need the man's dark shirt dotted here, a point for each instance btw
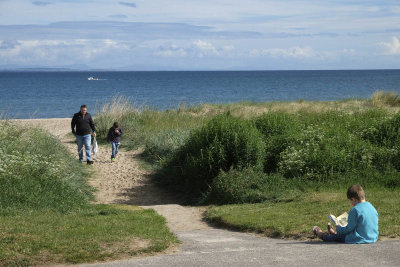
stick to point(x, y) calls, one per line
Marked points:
point(83, 124)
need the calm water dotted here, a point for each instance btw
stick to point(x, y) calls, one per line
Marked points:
point(60, 94)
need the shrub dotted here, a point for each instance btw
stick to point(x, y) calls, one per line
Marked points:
point(222, 144)
point(276, 128)
point(328, 143)
point(384, 133)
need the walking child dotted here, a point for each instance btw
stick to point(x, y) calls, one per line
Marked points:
point(362, 226)
point(114, 137)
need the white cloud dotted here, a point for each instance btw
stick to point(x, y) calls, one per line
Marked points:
point(198, 48)
point(348, 51)
point(293, 52)
point(204, 48)
point(170, 51)
point(300, 53)
point(57, 51)
point(392, 48)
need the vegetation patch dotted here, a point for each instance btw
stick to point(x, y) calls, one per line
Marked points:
point(295, 215)
point(294, 150)
point(45, 214)
point(277, 154)
point(97, 233)
point(222, 144)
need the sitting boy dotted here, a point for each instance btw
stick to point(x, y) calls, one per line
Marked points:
point(362, 224)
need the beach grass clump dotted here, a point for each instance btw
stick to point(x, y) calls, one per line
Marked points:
point(223, 144)
point(36, 172)
point(384, 98)
point(118, 109)
point(158, 147)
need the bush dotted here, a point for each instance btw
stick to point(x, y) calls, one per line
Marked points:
point(384, 133)
point(222, 144)
point(36, 172)
point(276, 128)
point(245, 186)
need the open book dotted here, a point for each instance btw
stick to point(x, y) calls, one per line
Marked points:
point(341, 220)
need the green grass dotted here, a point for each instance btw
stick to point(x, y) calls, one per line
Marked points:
point(294, 216)
point(310, 147)
point(45, 214)
point(317, 148)
point(37, 172)
point(97, 233)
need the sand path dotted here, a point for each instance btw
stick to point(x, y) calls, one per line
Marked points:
point(124, 181)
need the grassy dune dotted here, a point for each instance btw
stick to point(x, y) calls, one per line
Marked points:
point(45, 214)
point(272, 156)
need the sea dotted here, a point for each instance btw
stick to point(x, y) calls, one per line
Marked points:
point(59, 94)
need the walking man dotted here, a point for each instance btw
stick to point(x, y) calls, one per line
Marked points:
point(84, 125)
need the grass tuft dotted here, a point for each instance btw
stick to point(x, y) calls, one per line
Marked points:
point(382, 98)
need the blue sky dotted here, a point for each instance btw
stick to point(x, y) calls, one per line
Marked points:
point(200, 34)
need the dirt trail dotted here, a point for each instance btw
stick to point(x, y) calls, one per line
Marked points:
point(123, 181)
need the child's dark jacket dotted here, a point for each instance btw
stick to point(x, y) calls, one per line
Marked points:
point(112, 136)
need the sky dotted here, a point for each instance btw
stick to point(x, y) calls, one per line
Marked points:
point(200, 34)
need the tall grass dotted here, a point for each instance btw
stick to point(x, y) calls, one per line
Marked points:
point(224, 143)
point(45, 214)
point(306, 144)
point(315, 148)
point(382, 98)
point(36, 172)
point(160, 133)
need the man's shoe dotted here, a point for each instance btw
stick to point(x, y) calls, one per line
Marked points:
point(112, 159)
point(89, 162)
point(80, 161)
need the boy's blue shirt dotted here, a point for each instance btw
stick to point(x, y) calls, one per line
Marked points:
point(362, 224)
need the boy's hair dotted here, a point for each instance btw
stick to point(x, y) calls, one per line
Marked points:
point(115, 125)
point(83, 106)
point(356, 191)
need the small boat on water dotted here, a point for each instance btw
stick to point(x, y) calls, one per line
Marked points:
point(93, 79)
